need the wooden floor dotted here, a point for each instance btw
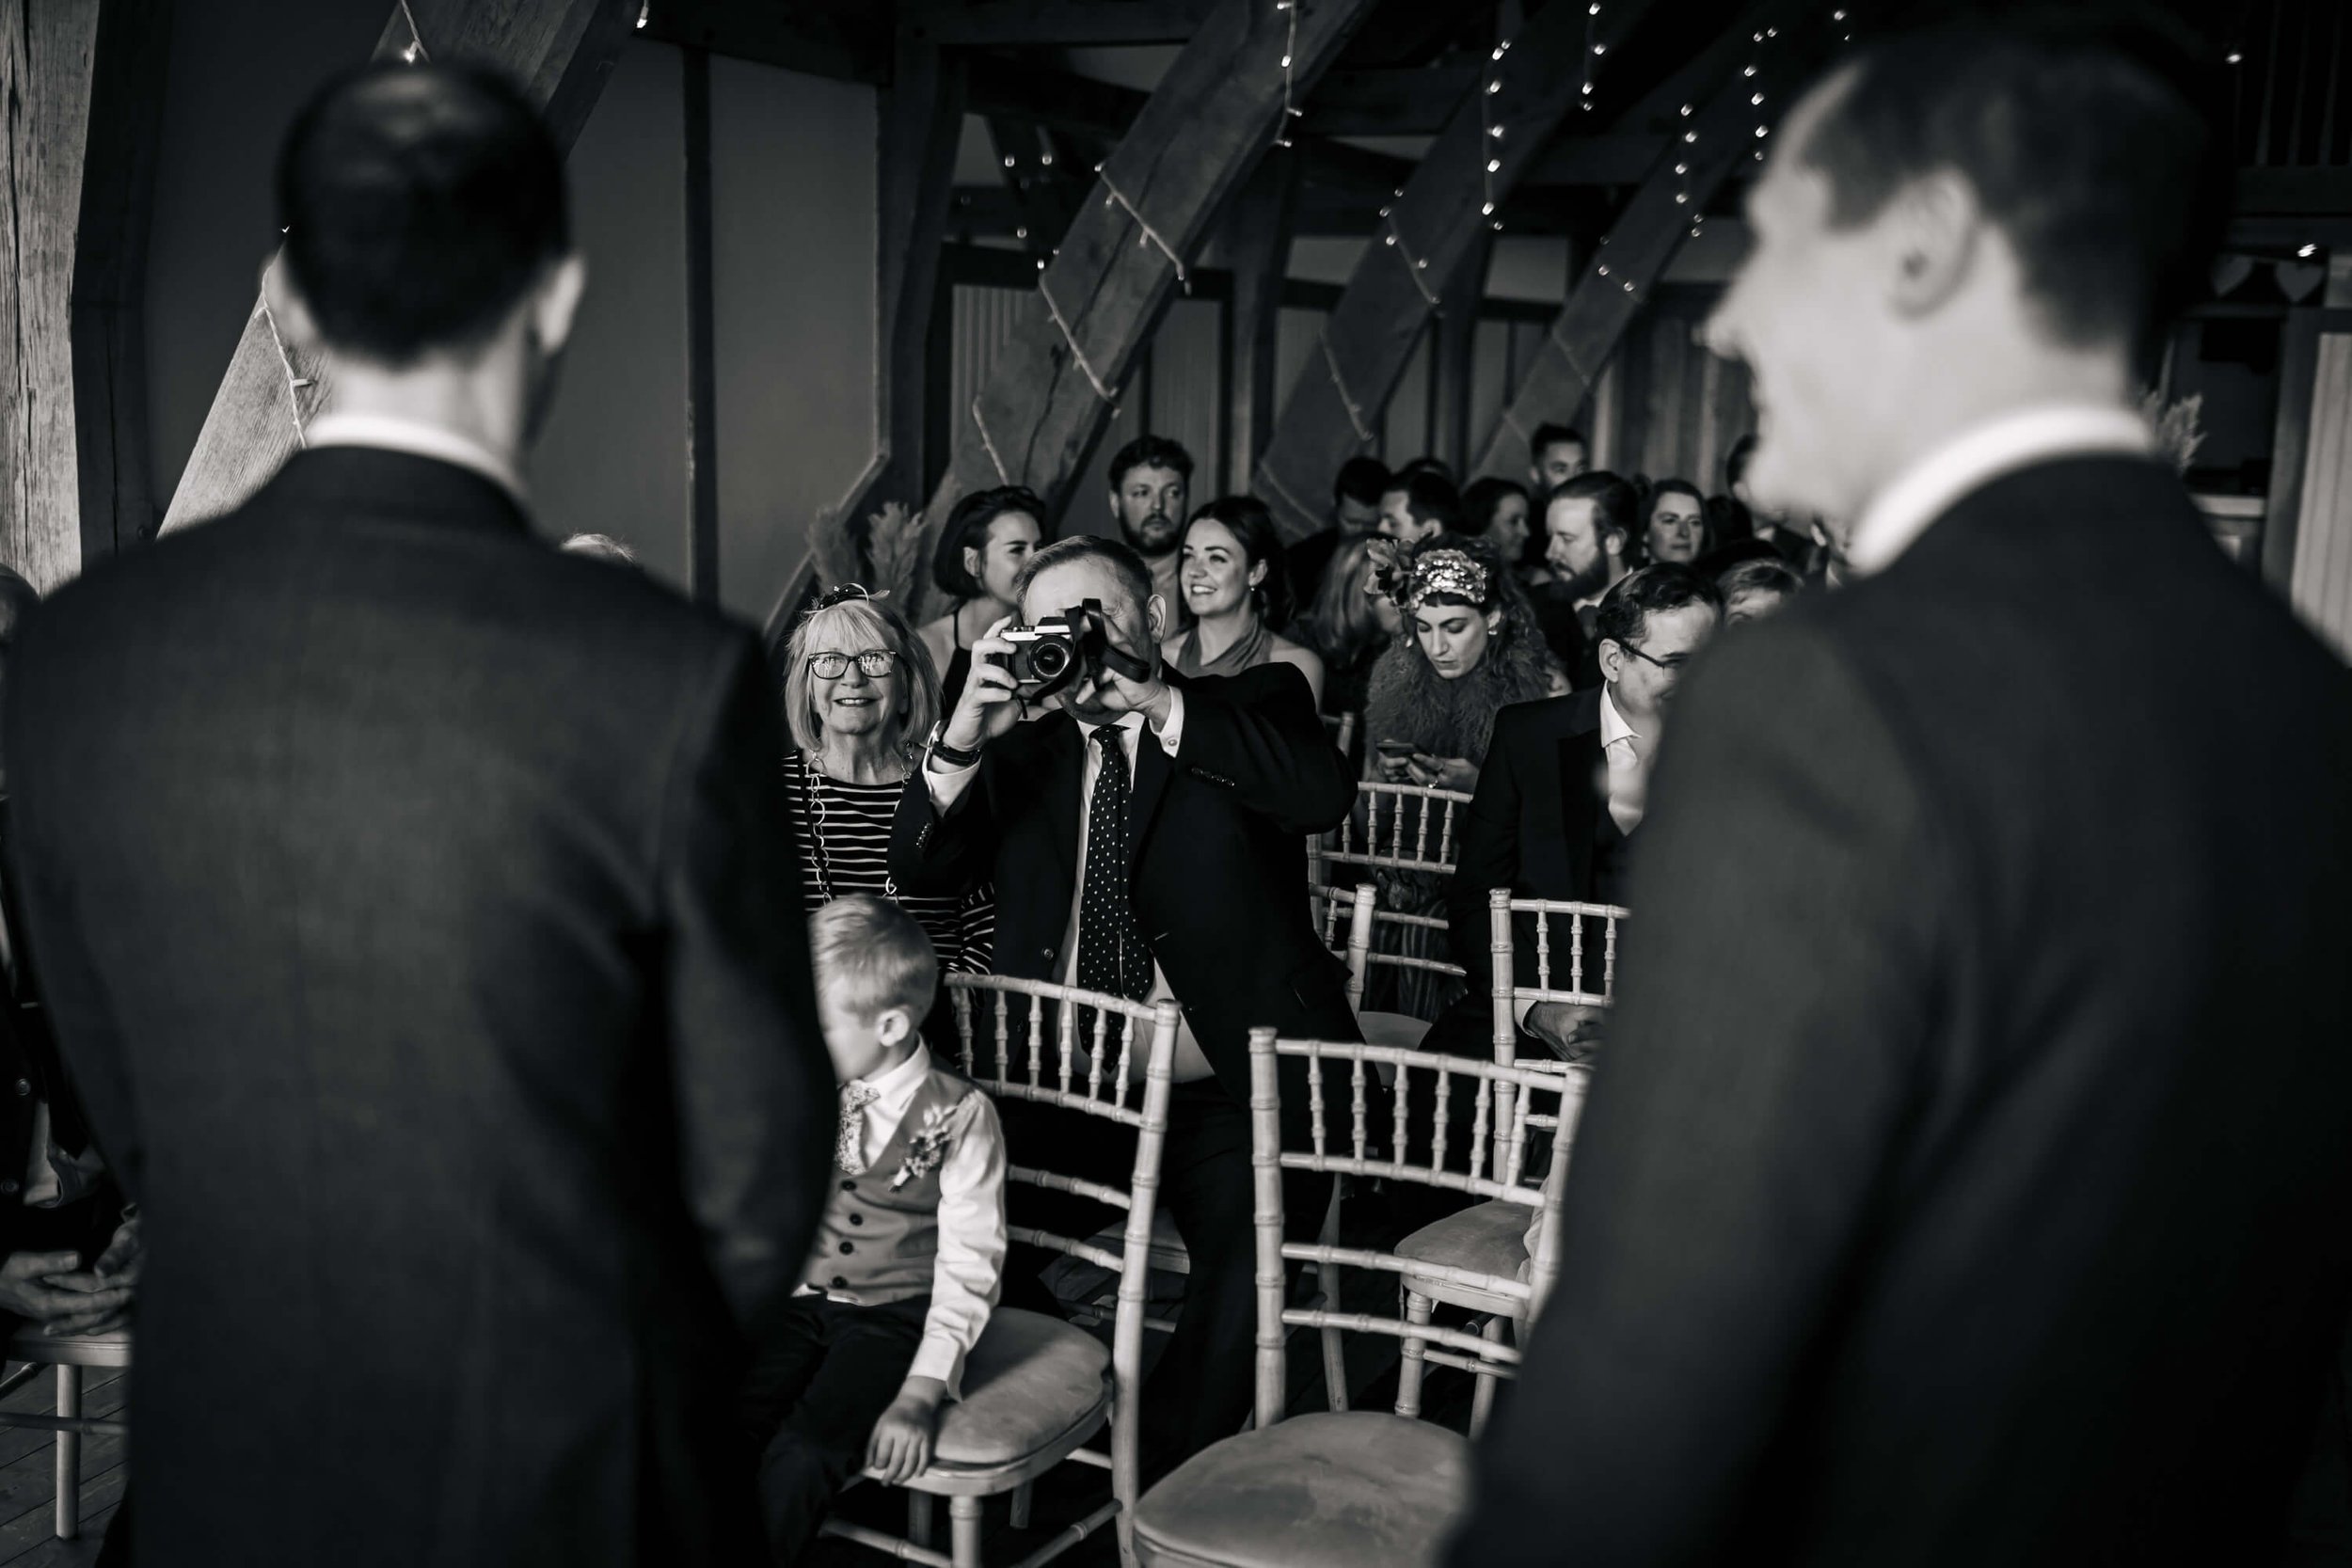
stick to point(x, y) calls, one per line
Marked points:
point(27, 1474)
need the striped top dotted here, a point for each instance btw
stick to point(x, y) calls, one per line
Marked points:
point(845, 848)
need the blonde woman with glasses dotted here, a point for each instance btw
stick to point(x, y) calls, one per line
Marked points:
point(860, 694)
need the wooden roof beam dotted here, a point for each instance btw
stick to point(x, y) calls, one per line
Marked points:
point(561, 51)
point(1436, 225)
point(1048, 23)
point(1610, 291)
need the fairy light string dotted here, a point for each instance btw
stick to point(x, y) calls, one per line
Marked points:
point(1291, 110)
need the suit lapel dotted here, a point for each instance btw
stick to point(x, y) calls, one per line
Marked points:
point(1579, 798)
point(1063, 765)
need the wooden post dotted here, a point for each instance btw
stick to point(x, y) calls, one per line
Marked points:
point(1216, 111)
point(1457, 352)
point(1604, 299)
point(561, 51)
point(1433, 228)
point(82, 81)
point(1259, 242)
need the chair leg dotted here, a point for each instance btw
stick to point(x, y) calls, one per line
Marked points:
point(1328, 1281)
point(963, 1531)
point(1021, 1506)
point(1409, 1372)
point(68, 1455)
point(1482, 1400)
point(919, 1518)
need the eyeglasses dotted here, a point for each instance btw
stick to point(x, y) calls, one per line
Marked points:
point(873, 663)
point(1672, 662)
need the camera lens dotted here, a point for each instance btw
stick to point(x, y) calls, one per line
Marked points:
point(1049, 660)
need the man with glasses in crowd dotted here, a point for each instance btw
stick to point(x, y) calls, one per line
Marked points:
point(1563, 789)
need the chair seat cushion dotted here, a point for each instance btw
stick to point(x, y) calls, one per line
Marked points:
point(1490, 1237)
point(1032, 1385)
point(1400, 1030)
point(1364, 1489)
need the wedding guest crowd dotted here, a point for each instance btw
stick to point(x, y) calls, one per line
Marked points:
point(489, 1020)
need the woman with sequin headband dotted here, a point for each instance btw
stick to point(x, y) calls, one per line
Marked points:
point(859, 693)
point(1472, 647)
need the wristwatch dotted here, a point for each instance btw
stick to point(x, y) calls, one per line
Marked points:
point(949, 754)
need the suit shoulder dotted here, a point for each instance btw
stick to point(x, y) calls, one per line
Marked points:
point(1547, 718)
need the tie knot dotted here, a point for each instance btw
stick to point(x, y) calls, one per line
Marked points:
point(856, 1095)
point(1108, 736)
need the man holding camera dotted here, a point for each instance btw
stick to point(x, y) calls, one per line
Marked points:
point(1147, 839)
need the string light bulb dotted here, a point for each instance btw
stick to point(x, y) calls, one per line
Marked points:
point(645, 13)
point(415, 50)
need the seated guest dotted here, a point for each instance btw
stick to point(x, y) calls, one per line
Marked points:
point(1351, 625)
point(1589, 523)
point(1415, 506)
point(1556, 453)
point(1147, 838)
point(1676, 531)
point(1355, 513)
point(908, 1257)
point(860, 696)
point(1754, 589)
point(1239, 595)
point(1474, 651)
point(1436, 467)
point(1563, 792)
point(1495, 510)
point(987, 537)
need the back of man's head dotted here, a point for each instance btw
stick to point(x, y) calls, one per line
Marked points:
point(2083, 132)
point(420, 203)
point(1360, 480)
point(1431, 499)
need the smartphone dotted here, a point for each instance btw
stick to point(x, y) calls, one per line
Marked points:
point(1396, 751)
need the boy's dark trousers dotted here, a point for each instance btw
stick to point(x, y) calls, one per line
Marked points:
point(811, 1401)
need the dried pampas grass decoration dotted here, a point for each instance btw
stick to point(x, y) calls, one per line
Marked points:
point(2176, 424)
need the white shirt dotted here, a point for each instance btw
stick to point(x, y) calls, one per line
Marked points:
point(1977, 456)
point(947, 785)
point(971, 1262)
point(390, 433)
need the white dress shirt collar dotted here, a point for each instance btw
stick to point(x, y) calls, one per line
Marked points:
point(1983, 452)
point(1612, 725)
point(390, 433)
point(900, 1082)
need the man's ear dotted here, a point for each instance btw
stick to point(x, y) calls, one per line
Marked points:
point(555, 303)
point(1612, 659)
point(893, 1026)
point(1494, 622)
point(1932, 232)
point(1155, 619)
point(288, 309)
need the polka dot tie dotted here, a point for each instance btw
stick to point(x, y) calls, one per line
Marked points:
point(1112, 956)
point(848, 1150)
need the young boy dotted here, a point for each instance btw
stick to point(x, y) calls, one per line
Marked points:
point(906, 1263)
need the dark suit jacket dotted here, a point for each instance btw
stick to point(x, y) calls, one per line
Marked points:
point(417, 911)
point(1218, 870)
point(1965, 1180)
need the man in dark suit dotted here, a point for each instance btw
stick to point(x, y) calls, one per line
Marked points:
point(1354, 514)
point(1965, 1179)
point(1210, 786)
point(418, 912)
point(1560, 797)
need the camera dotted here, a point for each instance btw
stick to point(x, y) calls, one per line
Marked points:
point(1058, 650)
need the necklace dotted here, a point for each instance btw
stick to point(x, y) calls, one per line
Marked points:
point(814, 799)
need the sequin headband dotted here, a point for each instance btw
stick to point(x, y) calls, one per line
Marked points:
point(1453, 572)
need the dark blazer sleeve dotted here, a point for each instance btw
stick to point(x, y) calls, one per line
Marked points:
point(1487, 849)
point(944, 854)
point(78, 1009)
point(749, 1072)
point(1259, 735)
point(1776, 991)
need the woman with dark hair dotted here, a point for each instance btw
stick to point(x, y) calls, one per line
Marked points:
point(1495, 510)
point(1474, 649)
point(1675, 527)
point(1235, 585)
point(1351, 625)
point(989, 534)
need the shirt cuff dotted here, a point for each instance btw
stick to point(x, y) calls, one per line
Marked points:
point(1171, 735)
point(1520, 1007)
point(940, 1356)
point(946, 784)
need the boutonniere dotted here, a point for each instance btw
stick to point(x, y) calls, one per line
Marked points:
point(927, 1149)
